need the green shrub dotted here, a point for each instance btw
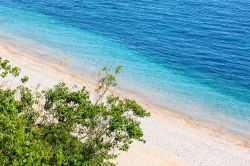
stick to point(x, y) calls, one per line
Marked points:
point(62, 126)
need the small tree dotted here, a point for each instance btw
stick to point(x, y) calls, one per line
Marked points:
point(71, 129)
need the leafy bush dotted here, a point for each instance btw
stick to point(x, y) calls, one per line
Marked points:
point(62, 126)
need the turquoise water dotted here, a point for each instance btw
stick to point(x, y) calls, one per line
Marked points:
point(188, 56)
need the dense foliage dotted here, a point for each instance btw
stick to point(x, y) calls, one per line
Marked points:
point(61, 125)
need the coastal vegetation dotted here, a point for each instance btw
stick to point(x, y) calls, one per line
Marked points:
point(63, 125)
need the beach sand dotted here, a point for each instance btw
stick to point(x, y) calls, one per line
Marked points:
point(172, 139)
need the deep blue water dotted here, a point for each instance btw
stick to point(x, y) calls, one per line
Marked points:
point(185, 55)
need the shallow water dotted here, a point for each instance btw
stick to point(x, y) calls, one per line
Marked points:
point(188, 56)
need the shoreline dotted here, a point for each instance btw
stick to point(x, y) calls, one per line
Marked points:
point(28, 62)
point(61, 65)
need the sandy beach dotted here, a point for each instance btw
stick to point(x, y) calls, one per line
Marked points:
point(172, 139)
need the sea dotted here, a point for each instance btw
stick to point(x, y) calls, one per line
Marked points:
point(188, 56)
